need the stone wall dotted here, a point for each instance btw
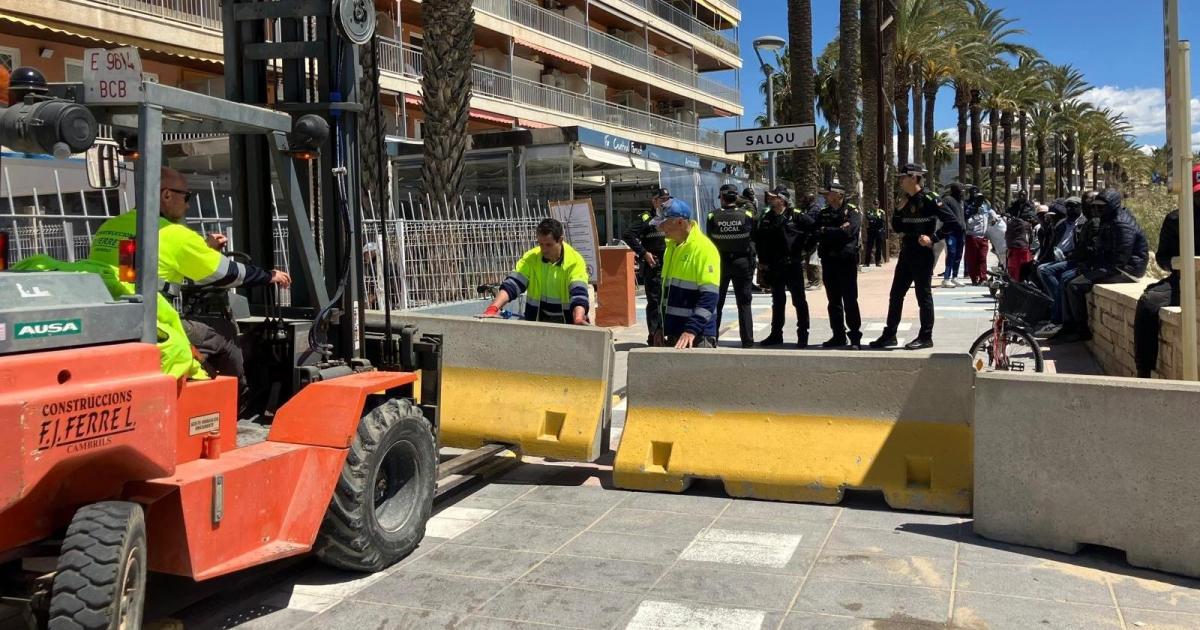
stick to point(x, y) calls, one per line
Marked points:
point(1112, 308)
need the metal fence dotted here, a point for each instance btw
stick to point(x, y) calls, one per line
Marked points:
point(202, 13)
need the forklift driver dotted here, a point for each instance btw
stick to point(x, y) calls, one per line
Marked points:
point(184, 255)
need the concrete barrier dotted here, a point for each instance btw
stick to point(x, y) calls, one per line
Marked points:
point(1066, 460)
point(801, 426)
point(543, 388)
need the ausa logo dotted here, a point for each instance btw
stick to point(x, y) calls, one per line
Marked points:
point(51, 328)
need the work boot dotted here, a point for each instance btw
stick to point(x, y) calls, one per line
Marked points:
point(774, 339)
point(886, 341)
point(747, 344)
point(837, 341)
point(856, 341)
point(919, 344)
point(802, 340)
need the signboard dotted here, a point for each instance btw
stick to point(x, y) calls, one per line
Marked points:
point(112, 76)
point(579, 223)
point(787, 138)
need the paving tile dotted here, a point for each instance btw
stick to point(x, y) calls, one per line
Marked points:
point(497, 490)
point(862, 567)
point(649, 523)
point(447, 528)
point(739, 547)
point(486, 503)
point(779, 511)
point(476, 561)
point(888, 542)
point(1159, 620)
point(997, 612)
point(411, 589)
point(1171, 594)
point(681, 503)
point(892, 519)
point(812, 621)
point(626, 547)
point(873, 601)
point(323, 581)
point(1062, 583)
point(549, 514)
point(812, 532)
point(975, 548)
point(577, 495)
point(559, 606)
point(353, 615)
point(725, 587)
point(516, 537)
point(596, 574)
point(256, 617)
point(664, 615)
point(475, 622)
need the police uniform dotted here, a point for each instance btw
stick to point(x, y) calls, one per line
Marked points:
point(876, 236)
point(730, 227)
point(643, 237)
point(918, 217)
point(780, 240)
point(838, 231)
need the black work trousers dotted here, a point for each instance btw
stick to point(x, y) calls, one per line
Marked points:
point(913, 269)
point(218, 347)
point(875, 244)
point(788, 277)
point(840, 276)
point(652, 280)
point(1146, 323)
point(1076, 291)
point(737, 268)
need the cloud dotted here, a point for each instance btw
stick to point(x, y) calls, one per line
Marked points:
point(1144, 108)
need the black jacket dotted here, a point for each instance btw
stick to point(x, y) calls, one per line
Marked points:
point(643, 237)
point(837, 242)
point(1121, 244)
point(1168, 242)
point(781, 238)
point(731, 228)
point(920, 216)
point(957, 207)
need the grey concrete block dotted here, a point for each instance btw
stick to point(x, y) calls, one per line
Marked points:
point(1066, 460)
point(558, 606)
point(1063, 583)
point(596, 574)
point(723, 587)
point(476, 562)
point(873, 601)
point(411, 589)
point(997, 612)
point(862, 567)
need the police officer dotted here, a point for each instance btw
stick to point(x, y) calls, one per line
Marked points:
point(730, 227)
point(838, 226)
point(916, 223)
point(649, 244)
point(876, 236)
point(779, 237)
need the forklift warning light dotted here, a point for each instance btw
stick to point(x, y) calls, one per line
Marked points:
point(126, 251)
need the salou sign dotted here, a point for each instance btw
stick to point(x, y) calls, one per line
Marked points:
point(787, 138)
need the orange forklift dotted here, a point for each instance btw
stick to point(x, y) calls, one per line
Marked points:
point(117, 469)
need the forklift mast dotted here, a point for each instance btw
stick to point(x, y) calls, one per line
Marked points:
point(318, 44)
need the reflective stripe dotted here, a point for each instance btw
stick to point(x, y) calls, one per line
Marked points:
point(577, 285)
point(727, 237)
point(709, 288)
point(683, 284)
point(680, 312)
point(519, 277)
point(228, 273)
point(703, 312)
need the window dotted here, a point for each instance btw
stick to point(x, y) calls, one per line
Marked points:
point(9, 57)
point(73, 70)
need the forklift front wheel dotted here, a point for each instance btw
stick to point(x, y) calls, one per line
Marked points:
point(101, 578)
point(384, 495)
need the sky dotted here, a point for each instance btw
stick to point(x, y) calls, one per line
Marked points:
point(1116, 44)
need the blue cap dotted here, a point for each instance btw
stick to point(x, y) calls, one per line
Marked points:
point(674, 208)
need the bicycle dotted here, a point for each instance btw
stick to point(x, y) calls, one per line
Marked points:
point(1010, 345)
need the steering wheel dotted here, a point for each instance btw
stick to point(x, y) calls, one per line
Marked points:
point(240, 257)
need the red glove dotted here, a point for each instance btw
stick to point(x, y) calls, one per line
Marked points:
point(492, 311)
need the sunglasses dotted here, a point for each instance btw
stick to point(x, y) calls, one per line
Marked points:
point(187, 194)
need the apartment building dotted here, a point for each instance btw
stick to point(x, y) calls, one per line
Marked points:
point(570, 97)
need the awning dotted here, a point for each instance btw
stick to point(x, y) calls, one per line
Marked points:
point(719, 9)
point(83, 35)
point(642, 164)
point(413, 99)
point(605, 156)
point(553, 53)
point(479, 114)
point(533, 124)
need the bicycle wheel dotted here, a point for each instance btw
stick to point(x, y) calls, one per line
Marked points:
point(1021, 352)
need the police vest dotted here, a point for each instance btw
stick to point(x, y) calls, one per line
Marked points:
point(652, 238)
point(729, 229)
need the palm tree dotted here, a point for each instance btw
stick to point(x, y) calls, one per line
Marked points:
point(782, 78)
point(800, 50)
point(1066, 84)
point(1013, 89)
point(826, 78)
point(940, 151)
point(870, 55)
point(1041, 124)
point(446, 95)
point(848, 34)
point(961, 50)
point(920, 29)
point(826, 154)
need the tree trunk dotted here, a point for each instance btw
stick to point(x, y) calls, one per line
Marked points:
point(1006, 120)
point(976, 139)
point(918, 122)
point(1079, 163)
point(961, 103)
point(931, 90)
point(994, 138)
point(889, 80)
point(1095, 169)
point(1041, 164)
point(1069, 165)
point(446, 95)
point(870, 98)
point(848, 96)
point(901, 105)
point(803, 88)
point(1024, 153)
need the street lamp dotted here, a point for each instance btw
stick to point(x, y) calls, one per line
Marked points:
point(769, 43)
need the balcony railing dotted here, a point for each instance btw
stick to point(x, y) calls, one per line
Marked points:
point(202, 13)
point(406, 60)
point(688, 23)
point(561, 27)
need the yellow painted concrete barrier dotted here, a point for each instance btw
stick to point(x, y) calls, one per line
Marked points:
point(542, 388)
point(801, 426)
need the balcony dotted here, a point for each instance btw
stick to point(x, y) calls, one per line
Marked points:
point(602, 43)
point(689, 23)
point(406, 61)
point(203, 13)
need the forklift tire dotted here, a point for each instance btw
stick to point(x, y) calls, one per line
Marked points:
point(385, 492)
point(101, 578)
